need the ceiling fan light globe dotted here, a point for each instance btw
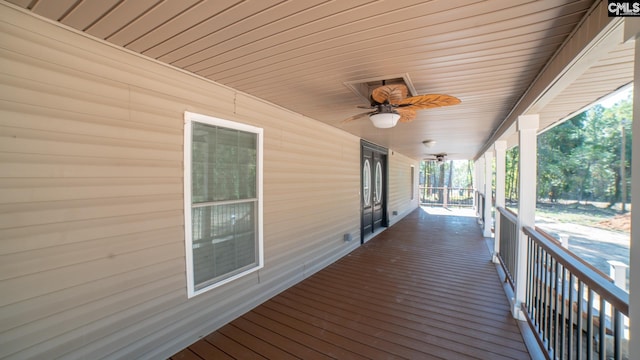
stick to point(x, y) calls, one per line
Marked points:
point(384, 120)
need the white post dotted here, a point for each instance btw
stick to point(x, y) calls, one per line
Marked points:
point(475, 186)
point(631, 32)
point(564, 240)
point(618, 272)
point(445, 197)
point(500, 147)
point(480, 186)
point(527, 134)
point(488, 195)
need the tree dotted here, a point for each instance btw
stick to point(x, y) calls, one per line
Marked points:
point(581, 160)
point(618, 121)
point(511, 174)
point(556, 169)
point(469, 174)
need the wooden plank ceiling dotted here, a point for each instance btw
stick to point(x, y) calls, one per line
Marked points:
point(300, 54)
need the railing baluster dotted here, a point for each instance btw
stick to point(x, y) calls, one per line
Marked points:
point(562, 295)
point(530, 265)
point(540, 294)
point(547, 299)
point(602, 329)
point(554, 304)
point(580, 300)
point(590, 325)
point(543, 295)
point(617, 334)
point(514, 247)
point(544, 311)
point(570, 322)
point(508, 247)
point(536, 293)
point(462, 197)
point(563, 314)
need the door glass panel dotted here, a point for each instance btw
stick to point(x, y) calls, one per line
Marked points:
point(366, 182)
point(378, 183)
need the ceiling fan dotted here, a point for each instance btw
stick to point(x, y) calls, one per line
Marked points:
point(390, 104)
point(436, 157)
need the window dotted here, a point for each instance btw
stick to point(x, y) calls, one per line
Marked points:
point(223, 201)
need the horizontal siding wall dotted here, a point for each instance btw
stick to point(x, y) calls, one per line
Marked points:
point(401, 201)
point(92, 257)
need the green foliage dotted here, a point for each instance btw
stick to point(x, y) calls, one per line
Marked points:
point(511, 175)
point(452, 173)
point(580, 159)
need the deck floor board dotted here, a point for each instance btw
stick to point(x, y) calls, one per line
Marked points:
point(423, 289)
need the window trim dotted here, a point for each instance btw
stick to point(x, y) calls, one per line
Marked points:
point(412, 175)
point(189, 119)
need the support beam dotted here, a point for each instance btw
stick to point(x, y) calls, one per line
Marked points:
point(501, 163)
point(527, 135)
point(488, 193)
point(632, 32)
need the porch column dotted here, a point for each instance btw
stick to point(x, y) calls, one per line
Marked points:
point(527, 135)
point(631, 32)
point(479, 169)
point(500, 147)
point(488, 201)
point(475, 186)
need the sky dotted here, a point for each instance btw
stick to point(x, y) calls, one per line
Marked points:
point(617, 96)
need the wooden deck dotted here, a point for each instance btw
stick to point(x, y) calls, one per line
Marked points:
point(423, 289)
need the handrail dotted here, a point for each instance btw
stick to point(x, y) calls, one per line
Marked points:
point(510, 215)
point(571, 253)
point(571, 306)
point(617, 297)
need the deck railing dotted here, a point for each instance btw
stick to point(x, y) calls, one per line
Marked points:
point(508, 253)
point(446, 196)
point(575, 312)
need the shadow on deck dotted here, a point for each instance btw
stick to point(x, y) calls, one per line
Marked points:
point(423, 289)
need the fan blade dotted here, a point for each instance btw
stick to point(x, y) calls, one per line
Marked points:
point(365, 107)
point(394, 94)
point(421, 102)
point(358, 116)
point(406, 114)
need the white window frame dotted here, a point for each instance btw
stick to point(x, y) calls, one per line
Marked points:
point(189, 119)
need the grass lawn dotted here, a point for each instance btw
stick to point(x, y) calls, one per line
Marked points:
point(591, 214)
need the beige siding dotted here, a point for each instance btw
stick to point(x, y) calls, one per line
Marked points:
point(400, 201)
point(92, 258)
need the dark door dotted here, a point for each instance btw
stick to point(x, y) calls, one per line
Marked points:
point(378, 191)
point(373, 189)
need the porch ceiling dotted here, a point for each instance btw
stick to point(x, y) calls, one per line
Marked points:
point(299, 55)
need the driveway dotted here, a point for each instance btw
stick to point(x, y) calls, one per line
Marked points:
point(595, 245)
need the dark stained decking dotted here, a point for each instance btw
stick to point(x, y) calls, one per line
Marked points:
point(423, 289)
